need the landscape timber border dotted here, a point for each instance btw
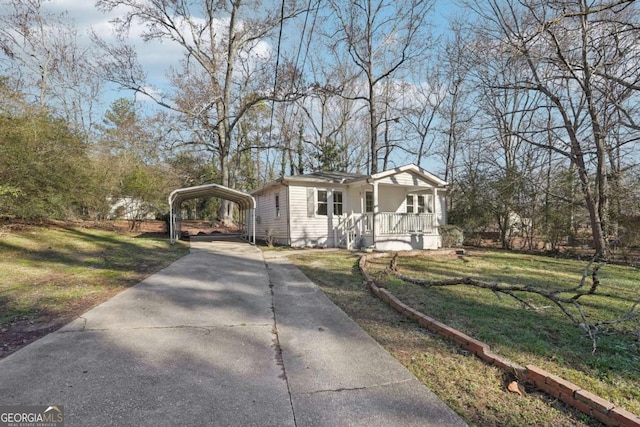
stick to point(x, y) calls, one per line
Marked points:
point(571, 394)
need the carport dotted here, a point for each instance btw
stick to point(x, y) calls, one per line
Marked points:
point(245, 202)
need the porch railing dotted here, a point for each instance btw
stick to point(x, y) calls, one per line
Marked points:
point(351, 228)
point(403, 223)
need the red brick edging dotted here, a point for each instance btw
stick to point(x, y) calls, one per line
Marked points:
point(592, 405)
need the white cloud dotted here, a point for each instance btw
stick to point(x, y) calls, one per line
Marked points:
point(156, 57)
point(152, 91)
point(83, 13)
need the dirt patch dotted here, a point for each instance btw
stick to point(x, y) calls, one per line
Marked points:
point(55, 272)
point(24, 331)
point(189, 227)
point(195, 228)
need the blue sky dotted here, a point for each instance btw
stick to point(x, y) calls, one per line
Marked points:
point(156, 57)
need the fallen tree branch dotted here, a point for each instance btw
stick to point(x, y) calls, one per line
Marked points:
point(497, 288)
point(569, 305)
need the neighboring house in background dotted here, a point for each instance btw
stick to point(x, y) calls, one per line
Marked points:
point(397, 209)
point(130, 209)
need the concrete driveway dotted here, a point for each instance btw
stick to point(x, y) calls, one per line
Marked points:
point(219, 338)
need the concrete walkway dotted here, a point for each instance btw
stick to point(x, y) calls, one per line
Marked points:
point(219, 339)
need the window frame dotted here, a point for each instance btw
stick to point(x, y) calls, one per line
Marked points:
point(324, 203)
point(336, 204)
point(410, 207)
point(422, 200)
point(277, 205)
point(368, 194)
point(430, 203)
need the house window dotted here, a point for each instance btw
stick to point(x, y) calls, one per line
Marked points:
point(337, 203)
point(368, 202)
point(277, 205)
point(322, 202)
point(410, 203)
point(420, 204)
point(429, 202)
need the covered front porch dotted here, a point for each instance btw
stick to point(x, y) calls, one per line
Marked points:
point(394, 231)
point(394, 210)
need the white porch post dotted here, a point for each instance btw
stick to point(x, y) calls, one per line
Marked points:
point(376, 209)
point(435, 204)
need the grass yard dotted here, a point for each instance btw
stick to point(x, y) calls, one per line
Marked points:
point(51, 275)
point(545, 337)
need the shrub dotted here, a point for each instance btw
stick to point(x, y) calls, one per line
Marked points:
point(452, 235)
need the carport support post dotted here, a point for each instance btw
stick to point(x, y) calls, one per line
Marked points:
point(171, 219)
point(243, 200)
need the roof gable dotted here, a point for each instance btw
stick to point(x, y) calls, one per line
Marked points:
point(413, 170)
point(244, 200)
point(326, 177)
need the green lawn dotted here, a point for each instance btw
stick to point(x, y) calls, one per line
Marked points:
point(545, 337)
point(49, 275)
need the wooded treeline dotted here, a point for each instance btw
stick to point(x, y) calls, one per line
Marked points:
point(528, 108)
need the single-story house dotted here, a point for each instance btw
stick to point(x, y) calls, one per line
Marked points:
point(129, 208)
point(397, 209)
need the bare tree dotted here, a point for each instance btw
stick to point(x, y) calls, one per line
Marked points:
point(456, 111)
point(505, 114)
point(225, 69)
point(578, 58)
point(421, 108)
point(332, 131)
point(46, 59)
point(381, 37)
point(443, 120)
point(328, 116)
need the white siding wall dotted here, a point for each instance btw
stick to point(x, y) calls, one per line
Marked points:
point(441, 212)
point(315, 230)
point(405, 178)
point(408, 242)
point(353, 199)
point(267, 222)
point(391, 199)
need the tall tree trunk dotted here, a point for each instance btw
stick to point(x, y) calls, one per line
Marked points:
point(593, 207)
point(225, 212)
point(373, 126)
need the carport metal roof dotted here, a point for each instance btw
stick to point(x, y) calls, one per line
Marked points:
point(245, 202)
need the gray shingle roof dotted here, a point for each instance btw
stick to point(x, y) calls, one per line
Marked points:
point(337, 177)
